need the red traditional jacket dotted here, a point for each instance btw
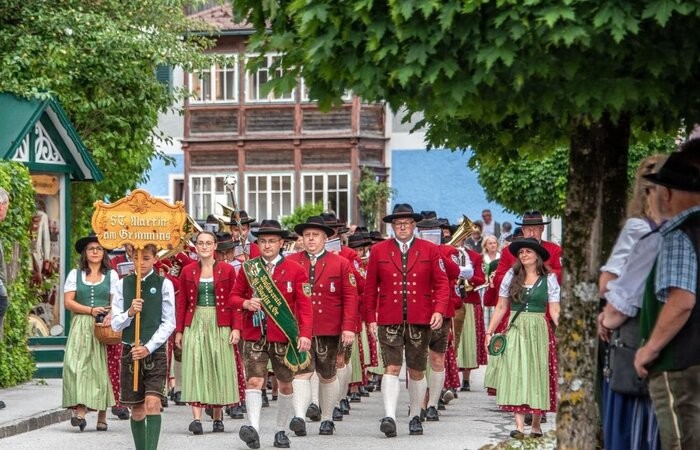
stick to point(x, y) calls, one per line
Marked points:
point(422, 279)
point(449, 256)
point(290, 278)
point(477, 279)
point(186, 300)
point(333, 293)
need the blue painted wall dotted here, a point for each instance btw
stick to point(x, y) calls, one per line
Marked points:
point(439, 180)
point(157, 184)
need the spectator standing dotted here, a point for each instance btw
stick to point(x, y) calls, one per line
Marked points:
point(4, 298)
point(670, 317)
point(490, 226)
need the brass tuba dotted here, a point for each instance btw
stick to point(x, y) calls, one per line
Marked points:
point(190, 229)
point(465, 229)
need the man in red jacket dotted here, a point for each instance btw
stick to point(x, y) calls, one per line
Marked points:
point(265, 333)
point(335, 309)
point(406, 297)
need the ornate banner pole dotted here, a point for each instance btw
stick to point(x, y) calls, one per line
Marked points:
point(139, 219)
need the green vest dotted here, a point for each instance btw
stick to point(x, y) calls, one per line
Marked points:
point(152, 295)
point(537, 298)
point(92, 295)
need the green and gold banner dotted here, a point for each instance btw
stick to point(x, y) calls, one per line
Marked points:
point(277, 308)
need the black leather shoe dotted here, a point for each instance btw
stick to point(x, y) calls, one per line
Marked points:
point(122, 412)
point(337, 415)
point(218, 426)
point(79, 422)
point(236, 412)
point(209, 412)
point(441, 405)
point(465, 386)
point(196, 428)
point(313, 412)
point(431, 414)
point(344, 406)
point(2, 404)
point(528, 419)
point(388, 427)
point(414, 426)
point(517, 434)
point(327, 428)
point(422, 414)
point(363, 392)
point(249, 435)
point(355, 397)
point(265, 400)
point(244, 409)
point(371, 386)
point(177, 400)
point(298, 426)
point(281, 440)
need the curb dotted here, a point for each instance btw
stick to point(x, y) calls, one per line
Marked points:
point(40, 420)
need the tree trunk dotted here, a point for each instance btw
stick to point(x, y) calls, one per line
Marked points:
point(594, 210)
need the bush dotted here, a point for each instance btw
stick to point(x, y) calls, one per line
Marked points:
point(300, 214)
point(17, 362)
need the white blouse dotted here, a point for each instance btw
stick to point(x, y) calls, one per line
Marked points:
point(553, 291)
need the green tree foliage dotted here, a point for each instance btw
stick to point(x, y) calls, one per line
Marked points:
point(511, 79)
point(99, 58)
point(373, 195)
point(541, 182)
point(300, 214)
point(17, 363)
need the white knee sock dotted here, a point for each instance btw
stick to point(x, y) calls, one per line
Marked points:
point(329, 398)
point(437, 381)
point(253, 402)
point(314, 388)
point(416, 394)
point(390, 394)
point(284, 410)
point(340, 375)
point(345, 382)
point(301, 396)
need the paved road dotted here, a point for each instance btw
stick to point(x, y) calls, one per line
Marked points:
point(470, 421)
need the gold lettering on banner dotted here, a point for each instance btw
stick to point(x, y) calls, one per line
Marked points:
point(139, 219)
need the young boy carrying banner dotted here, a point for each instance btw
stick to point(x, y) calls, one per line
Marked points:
point(156, 303)
point(274, 295)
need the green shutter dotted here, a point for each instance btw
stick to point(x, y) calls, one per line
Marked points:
point(164, 75)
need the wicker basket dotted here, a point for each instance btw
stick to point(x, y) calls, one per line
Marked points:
point(106, 335)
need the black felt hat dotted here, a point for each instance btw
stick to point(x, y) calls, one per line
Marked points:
point(532, 218)
point(244, 218)
point(224, 241)
point(81, 243)
point(402, 211)
point(530, 243)
point(429, 220)
point(359, 240)
point(271, 227)
point(314, 222)
point(680, 171)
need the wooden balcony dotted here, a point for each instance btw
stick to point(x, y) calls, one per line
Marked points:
point(282, 121)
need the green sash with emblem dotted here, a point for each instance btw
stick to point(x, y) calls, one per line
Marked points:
point(277, 309)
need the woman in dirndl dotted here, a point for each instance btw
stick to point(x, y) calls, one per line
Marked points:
point(524, 383)
point(206, 333)
point(87, 294)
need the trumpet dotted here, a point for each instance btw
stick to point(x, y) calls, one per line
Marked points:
point(466, 228)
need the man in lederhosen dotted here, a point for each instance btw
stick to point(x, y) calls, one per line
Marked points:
point(335, 309)
point(406, 296)
point(273, 293)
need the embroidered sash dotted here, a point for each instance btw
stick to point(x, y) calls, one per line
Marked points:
point(277, 309)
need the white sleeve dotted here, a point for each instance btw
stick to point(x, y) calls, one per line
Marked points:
point(71, 283)
point(553, 290)
point(114, 280)
point(505, 284)
point(467, 270)
point(632, 232)
point(626, 292)
point(167, 318)
point(120, 318)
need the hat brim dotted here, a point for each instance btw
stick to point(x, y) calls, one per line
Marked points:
point(404, 215)
point(81, 243)
point(225, 245)
point(299, 229)
point(428, 223)
point(533, 222)
point(273, 231)
point(517, 245)
point(671, 184)
point(243, 221)
point(358, 244)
